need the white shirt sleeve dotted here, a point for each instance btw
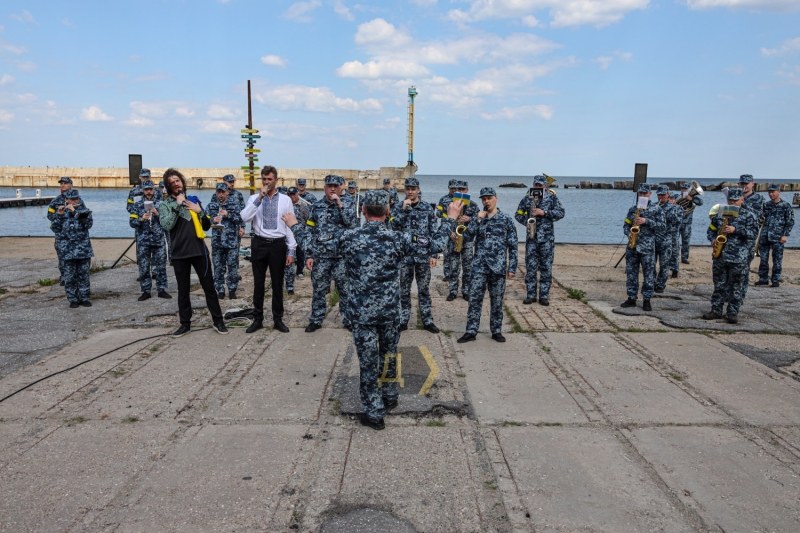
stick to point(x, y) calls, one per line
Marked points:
point(286, 207)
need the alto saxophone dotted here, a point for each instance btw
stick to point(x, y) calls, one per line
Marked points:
point(720, 240)
point(634, 231)
point(460, 229)
point(531, 223)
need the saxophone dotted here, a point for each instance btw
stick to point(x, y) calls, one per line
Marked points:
point(720, 241)
point(531, 223)
point(634, 230)
point(460, 229)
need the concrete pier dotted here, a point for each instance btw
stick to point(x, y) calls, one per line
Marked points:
point(590, 417)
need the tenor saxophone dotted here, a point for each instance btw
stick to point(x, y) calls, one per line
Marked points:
point(634, 231)
point(531, 223)
point(460, 229)
point(720, 240)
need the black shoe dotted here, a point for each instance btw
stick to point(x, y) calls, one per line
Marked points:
point(74, 305)
point(451, 297)
point(544, 301)
point(221, 295)
point(255, 326)
point(143, 297)
point(498, 337)
point(731, 319)
point(231, 295)
point(290, 293)
point(528, 301)
point(674, 274)
point(365, 421)
point(311, 328)
point(280, 326)
point(776, 284)
point(431, 327)
point(349, 327)
point(760, 283)
point(165, 295)
point(86, 303)
point(685, 261)
point(711, 316)
point(465, 297)
point(390, 405)
point(659, 291)
point(646, 306)
point(628, 303)
point(153, 276)
point(403, 327)
point(220, 328)
point(181, 331)
point(238, 278)
point(466, 337)
point(62, 283)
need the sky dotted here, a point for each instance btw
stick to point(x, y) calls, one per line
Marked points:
point(694, 88)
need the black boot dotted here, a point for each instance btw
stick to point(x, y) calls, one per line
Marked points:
point(646, 305)
point(628, 303)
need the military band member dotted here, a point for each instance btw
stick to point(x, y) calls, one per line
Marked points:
point(778, 224)
point(441, 212)
point(234, 195)
point(307, 196)
point(135, 194)
point(150, 249)
point(418, 219)
point(675, 256)
point(495, 260)
point(356, 198)
point(459, 264)
point(301, 211)
point(665, 237)
point(686, 223)
point(224, 210)
point(731, 269)
point(650, 221)
point(539, 247)
point(71, 226)
point(373, 255)
point(56, 208)
point(393, 199)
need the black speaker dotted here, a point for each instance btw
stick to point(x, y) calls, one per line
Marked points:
point(134, 167)
point(639, 175)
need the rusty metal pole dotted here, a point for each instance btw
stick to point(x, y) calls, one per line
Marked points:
point(250, 127)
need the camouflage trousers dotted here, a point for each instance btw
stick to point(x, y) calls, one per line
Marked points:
point(152, 261)
point(288, 277)
point(776, 248)
point(483, 278)
point(422, 272)
point(647, 262)
point(225, 259)
point(76, 279)
point(60, 261)
point(664, 260)
point(686, 241)
point(674, 258)
point(730, 285)
point(539, 260)
point(373, 342)
point(459, 264)
point(447, 262)
point(325, 270)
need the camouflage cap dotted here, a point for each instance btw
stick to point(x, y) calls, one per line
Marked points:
point(539, 180)
point(675, 195)
point(774, 187)
point(662, 189)
point(229, 178)
point(352, 184)
point(65, 179)
point(686, 185)
point(144, 173)
point(452, 184)
point(411, 182)
point(293, 190)
point(222, 186)
point(463, 184)
point(387, 180)
point(148, 184)
point(735, 193)
point(283, 190)
point(487, 191)
point(746, 178)
point(379, 198)
point(333, 179)
point(301, 181)
point(161, 183)
point(72, 194)
point(643, 187)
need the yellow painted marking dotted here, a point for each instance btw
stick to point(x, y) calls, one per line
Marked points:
point(399, 379)
point(434, 370)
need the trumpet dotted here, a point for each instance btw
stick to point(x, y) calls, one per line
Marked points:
point(686, 202)
point(634, 231)
point(720, 240)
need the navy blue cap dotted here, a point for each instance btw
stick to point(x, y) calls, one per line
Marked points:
point(686, 185)
point(643, 187)
point(293, 190)
point(675, 195)
point(351, 184)
point(229, 178)
point(539, 180)
point(411, 182)
point(283, 190)
point(65, 179)
point(144, 173)
point(222, 186)
point(379, 197)
point(72, 194)
point(148, 184)
point(662, 189)
point(735, 193)
point(301, 181)
point(746, 178)
point(333, 179)
point(452, 184)
point(774, 187)
point(487, 191)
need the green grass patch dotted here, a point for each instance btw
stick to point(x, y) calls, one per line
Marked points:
point(511, 318)
point(576, 294)
point(546, 349)
point(75, 420)
point(676, 377)
point(447, 332)
point(3, 290)
point(97, 267)
point(491, 485)
point(437, 423)
point(117, 371)
point(512, 423)
point(460, 375)
point(29, 290)
point(130, 419)
point(333, 299)
point(549, 424)
point(46, 282)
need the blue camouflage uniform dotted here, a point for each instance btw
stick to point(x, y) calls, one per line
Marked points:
point(307, 196)
point(326, 221)
point(357, 199)
point(540, 248)
point(373, 255)
point(778, 223)
point(393, 198)
point(644, 253)
point(675, 256)
point(686, 224)
point(52, 212)
point(235, 196)
point(665, 237)
point(441, 212)
point(755, 203)
point(150, 249)
point(731, 269)
point(419, 220)
point(225, 242)
point(75, 249)
point(459, 264)
point(494, 237)
point(301, 211)
point(135, 194)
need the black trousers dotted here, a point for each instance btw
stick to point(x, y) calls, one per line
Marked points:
point(183, 272)
point(268, 254)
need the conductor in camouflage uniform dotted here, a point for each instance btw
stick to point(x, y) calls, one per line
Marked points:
point(417, 218)
point(150, 248)
point(650, 222)
point(441, 212)
point(71, 226)
point(373, 255)
point(731, 269)
point(56, 208)
point(778, 224)
point(539, 247)
point(495, 260)
point(225, 210)
point(327, 219)
point(665, 237)
point(686, 223)
point(301, 211)
point(459, 264)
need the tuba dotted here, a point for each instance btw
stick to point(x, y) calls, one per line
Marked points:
point(634, 231)
point(686, 203)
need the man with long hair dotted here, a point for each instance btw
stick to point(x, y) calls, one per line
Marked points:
point(184, 219)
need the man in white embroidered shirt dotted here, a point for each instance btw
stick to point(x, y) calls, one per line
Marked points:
point(273, 246)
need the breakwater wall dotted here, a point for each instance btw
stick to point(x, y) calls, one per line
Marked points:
point(197, 178)
point(673, 185)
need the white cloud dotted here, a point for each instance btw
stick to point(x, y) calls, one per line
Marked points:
point(737, 70)
point(94, 114)
point(381, 69)
point(134, 58)
point(218, 126)
point(138, 121)
point(604, 61)
point(150, 109)
point(273, 60)
point(299, 11)
point(791, 74)
point(16, 49)
point(156, 76)
point(625, 56)
point(342, 10)
point(217, 111)
point(317, 99)
point(777, 6)
point(7, 79)
point(26, 98)
point(519, 113)
point(184, 112)
point(27, 66)
point(388, 124)
point(5, 116)
point(25, 17)
point(789, 45)
point(562, 13)
point(530, 21)
point(68, 23)
point(424, 2)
